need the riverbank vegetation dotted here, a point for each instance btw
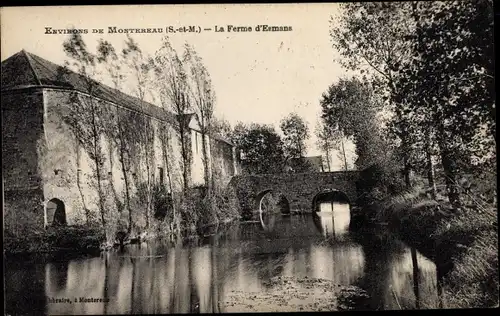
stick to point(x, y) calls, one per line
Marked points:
point(421, 114)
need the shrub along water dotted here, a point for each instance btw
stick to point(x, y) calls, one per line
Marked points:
point(177, 218)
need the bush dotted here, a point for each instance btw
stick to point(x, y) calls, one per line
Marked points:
point(199, 210)
point(379, 182)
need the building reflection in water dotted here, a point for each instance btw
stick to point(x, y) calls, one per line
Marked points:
point(196, 277)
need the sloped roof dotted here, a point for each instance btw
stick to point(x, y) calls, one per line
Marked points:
point(23, 70)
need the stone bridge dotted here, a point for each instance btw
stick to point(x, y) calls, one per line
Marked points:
point(299, 191)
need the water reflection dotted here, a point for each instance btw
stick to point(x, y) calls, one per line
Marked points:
point(197, 277)
point(333, 218)
point(389, 275)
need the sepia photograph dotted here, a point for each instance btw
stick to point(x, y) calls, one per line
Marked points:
point(227, 158)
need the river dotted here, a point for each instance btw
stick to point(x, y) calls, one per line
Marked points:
point(204, 275)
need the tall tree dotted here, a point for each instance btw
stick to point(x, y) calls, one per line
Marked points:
point(172, 87)
point(324, 141)
point(372, 38)
point(140, 74)
point(296, 132)
point(339, 139)
point(350, 110)
point(203, 99)
point(85, 117)
point(261, 148)
point(107, 56)
point(449, 82)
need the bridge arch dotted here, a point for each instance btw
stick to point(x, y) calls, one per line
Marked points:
point(300, 189)
point(280, 200)
point(331, 195)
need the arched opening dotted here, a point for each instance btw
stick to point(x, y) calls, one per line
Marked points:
point(331, 211)
point(334, 196)
point(55, 213)
point(270, 205)
point(269, 201)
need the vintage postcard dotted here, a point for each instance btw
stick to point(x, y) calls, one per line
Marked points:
point(227, 158)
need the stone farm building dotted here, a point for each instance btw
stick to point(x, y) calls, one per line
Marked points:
point(48, 169)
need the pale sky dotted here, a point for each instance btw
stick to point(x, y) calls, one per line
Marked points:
point(257, 76)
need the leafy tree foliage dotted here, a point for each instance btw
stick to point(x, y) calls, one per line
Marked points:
point(261, 148)
point(349, 109)
point(202, 98)
point(296, 132)
point(325, 141)
point(449, 83)
point(172, 88)
point(221, 128)
point(432, 63)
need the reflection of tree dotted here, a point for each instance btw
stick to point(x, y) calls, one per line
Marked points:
point(106, 281)
point(194, 302)
point(132, 287)
point(415, 277)
point(214, 276)
point(380, 253)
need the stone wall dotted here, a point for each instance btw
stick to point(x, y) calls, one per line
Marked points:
point(69, 169)
point(22, 132)
point(298, 188)
point(49, 153)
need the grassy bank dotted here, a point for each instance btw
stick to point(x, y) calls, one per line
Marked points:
point(72, 239)
point(463, 243)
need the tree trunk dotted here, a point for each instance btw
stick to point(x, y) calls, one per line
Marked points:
point(79, 186)
point(343, 153)
point(430, 166)
point(127, 198)
point(97, 156)
point(125, 178)
point(149, 139)
point(406, 164)
point(450, 169)
point(169, 178)
point(327, 150)
point(185, 176)
point(450, 172)
point(148, 194)
point(206, 166)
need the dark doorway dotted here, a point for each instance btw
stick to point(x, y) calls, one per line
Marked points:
point(57, 208)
